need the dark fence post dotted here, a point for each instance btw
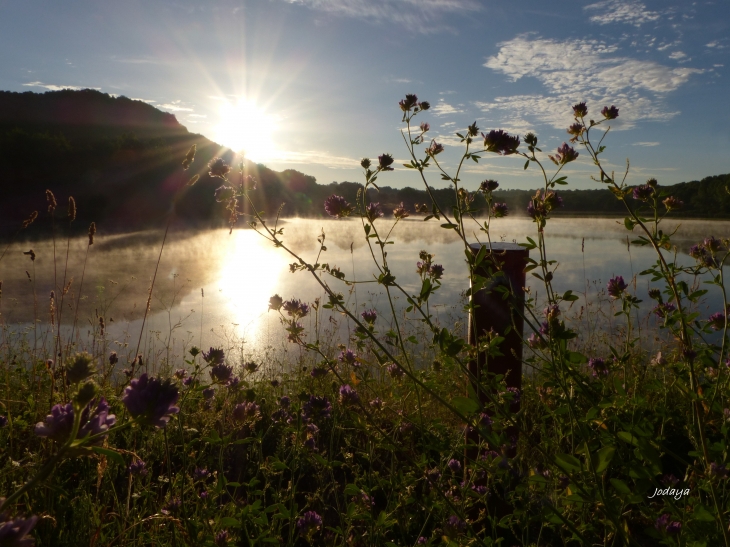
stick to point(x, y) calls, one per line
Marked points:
point(498, 313)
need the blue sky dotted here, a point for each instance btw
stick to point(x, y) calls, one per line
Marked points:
point(320, 80)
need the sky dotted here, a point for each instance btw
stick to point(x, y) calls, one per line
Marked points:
point(314, 85)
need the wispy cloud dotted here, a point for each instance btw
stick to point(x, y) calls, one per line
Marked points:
point(622, 11)
point(583, 70)
point(175, 106)
point(443, 108)
point(419, 15)
point(55, 87)
point(677, 55)
point(148, 101)
point(647, 143)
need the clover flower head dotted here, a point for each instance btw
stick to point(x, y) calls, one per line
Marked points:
point(284, 402)
point(576, 129)
point(454, 465)
point(318, 372)
point(485, 420)
point(150, 400)
point(365, 163)
point(58, 424)
point(436, 271)
point(565, 154)
point(535, 342)
point(214, 356)
point(275, 302)
point(171, 507)
point(218, 168)
point(501, 142)
point(221, 538)
point(500, 210)
point(643, 192)
point(610, 113)
point(295, 308)
point(435, 148)
point(233, 383)
point(670, 480)
point(208, 393)
point(80, 367)
point(598, 366)
point(337, 206)
point(544, 328)
point(455, 525)
point(422, 541)
point(672, 203)
point(348, 357)
point(664, 309)
point(425, 126)
point(552, 313)
point(376, 404)
point(385, 161)
point(717, 321)
point(99, 422)
point(309, 521)
point(394, 371)
point(373, 211)
point(408, 103)
point(552, 200)
point(138, 467)
point(515, 395)
point(348, 396)
point(580, 110)
point(488, 185)
point(246, 412)
point(718, 470)
point(369, 316)
point(188, 381)
point(616, 286)
point(316, 407)
point(674, 528)
point(221, 373)
point(251, 366)
point(200, 474)
point(712, 244)
point(14, 532)
point(424, 105)
point(181, 373)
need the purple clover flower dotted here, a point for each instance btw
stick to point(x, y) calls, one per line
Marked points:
point(576, 130)
point(14, 532)
point(436, 271)
point(643, 192)
point(373, 211)
point(488, 185)
point(233, 383)
point(138, 467)
point(295, 308)
point(221, 373)
point(251, 366)
point(394, 371)
point(337, 206)
point(422, 540)
point(409, 102)
point(172, 505)
point(385, 161)
point(188, 381)
point(674, 528)
point(348, 396)
point(717, 321)
point(200, 474)
point(181, 373)
point(246, 412)
point(400, 212)
point(284, 402)
point(316, 407)
point(598, 366)
point(515, 395)
point(318, 372)
point(713, 245)
point(500, 142)
point(454, 465)
point(664, 309)
point(208, 393)
point(221, 538)
point(369, 316)
point(434, 149)
point(580, 110)
point(59, 423)
point(425, 126)
point(275, 302)
point(616, 286)
point(151, 401)
point(610, 113)
point(565, 154)
point(376, 404)
point(215, 356)
point(455, 525)
point(309, 521)
point(672, 203)
point(348, 357)
point(500, 210)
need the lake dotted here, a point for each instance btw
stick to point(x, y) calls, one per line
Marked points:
point(213, 288)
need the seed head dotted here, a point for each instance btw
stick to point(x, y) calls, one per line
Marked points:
point(189, 157)
point(71, 209)
point(51, 199)
point(92, 231)
point(28, 221)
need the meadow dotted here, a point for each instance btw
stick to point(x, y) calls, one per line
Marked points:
point(386, 436)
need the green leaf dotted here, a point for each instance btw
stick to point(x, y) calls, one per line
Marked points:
point(465, 405)
point(703, 515)
point(604, 457)
point(229, 522)
point(526, 164)
point(627, 437)
point(111, 454)
point(352, 490)
point(620, 486)
point(567, 462)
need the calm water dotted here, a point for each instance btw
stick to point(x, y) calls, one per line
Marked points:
point(213, 288)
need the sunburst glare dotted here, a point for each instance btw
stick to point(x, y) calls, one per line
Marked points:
point(246, 128)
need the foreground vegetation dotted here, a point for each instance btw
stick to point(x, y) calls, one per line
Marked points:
point(360, 443)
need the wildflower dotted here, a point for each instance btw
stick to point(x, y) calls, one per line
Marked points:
point(373, 211)
point(59, 423)
point(663, 525)
point(515, 395)
point(422, 541)
point(151, 401)
point(337, 206)
point(369, 316)
point(14, 532)
point(365, 163)
point(364, 499)
point(394, 371)
point(713, 245)
point(311, 444)
point(280, 415)
point(233, 383)
point(251, 366)
point(181, 373)
point(203, 494)
point(422, 208)
point(385, 161)
point(284, 402)
point(221, 373)
point(659, 359)
point(409, 102)
point(316, 407)
point(455, 525)
point(310, 521)
point(616, 286)
point(188, 381)
point(580, 110)
point(376, 404)
point(576, 130)
point(655, 294)
point(221, 538)
point(500, 142)
point(598, 366)
point(552, 313)
point(295, 308)
point(318, 372)
point(200, 474)
point(552, 200)
point(643, 192)
point(485, 420)
point(215, 356)
point(400, 212)
point(208, 393)
point(664, 309)
point(454, 465)
point(113, 359)
point(218, 168)
point(172, 505)
point(224, 194)
point(670, 480)
point(246, 412)
point(674, 528)
point(348, 396)
point(435, 148)
point(718, 470)
point(424, 105)
point(544, 328)
point(610, 113)
point(138, 467)
point(535, 342)
point(348, 357)
point(488, 185)
point(275, 383)
point(717, 321)
point(565, 154)
point(436, 271)
point(275, 302)
point(425, 127)
point(500, 210)
point(673, 203)
point(80, 367)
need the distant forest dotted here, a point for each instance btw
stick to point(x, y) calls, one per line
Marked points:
point(120, 160)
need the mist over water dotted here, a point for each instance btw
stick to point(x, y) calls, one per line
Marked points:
point(238, 273)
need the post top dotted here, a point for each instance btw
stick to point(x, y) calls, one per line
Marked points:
point(498, 246)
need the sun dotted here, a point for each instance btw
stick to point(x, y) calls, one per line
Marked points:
point(246, 128)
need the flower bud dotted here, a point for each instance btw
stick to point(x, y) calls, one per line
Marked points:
point(85, 394)
point(80, 368)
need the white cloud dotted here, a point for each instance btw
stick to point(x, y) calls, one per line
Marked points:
point(647, 143)
point(54, 87)
point(582, 70)
point(622, 11)
point(148, 101)
point(443, 108)
point(676, 55)
point(419, 15)
point(175, 106)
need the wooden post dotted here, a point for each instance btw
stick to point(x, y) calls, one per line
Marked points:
point(498, 313)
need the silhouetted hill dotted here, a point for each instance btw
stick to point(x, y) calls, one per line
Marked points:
point(121, 160)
